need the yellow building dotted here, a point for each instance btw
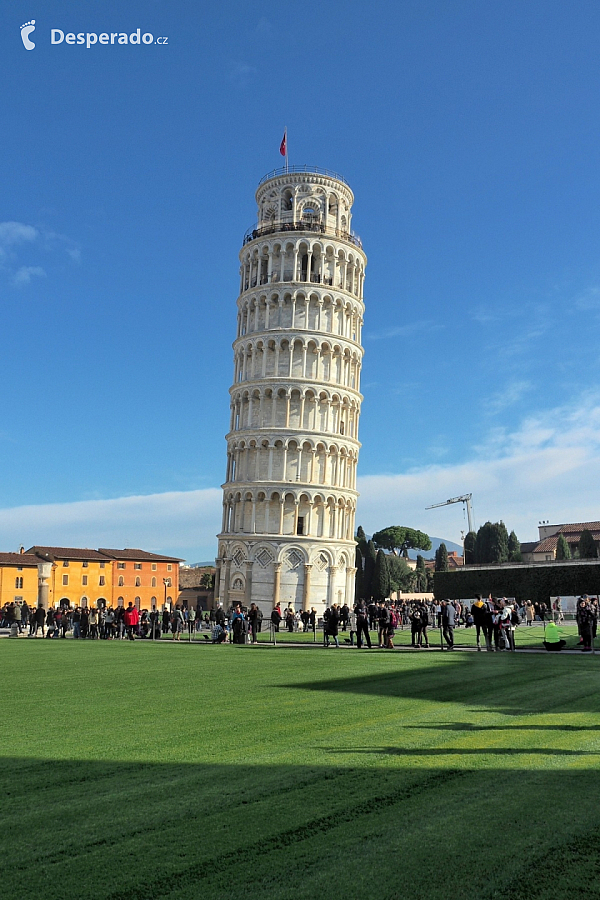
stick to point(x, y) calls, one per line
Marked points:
point(18, 578)
point(104, 577)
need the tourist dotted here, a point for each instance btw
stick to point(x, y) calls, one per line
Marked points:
point(40, 620)
point(362, 624)
point(253, 622)
point(238, 625)
point(448, 617)
point(416, 627)
point(552, 638)
point(276, 617)
point(177, 623)
point(424, 613)
point(332, 626)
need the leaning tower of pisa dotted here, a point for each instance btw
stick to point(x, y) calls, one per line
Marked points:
point(289, 499)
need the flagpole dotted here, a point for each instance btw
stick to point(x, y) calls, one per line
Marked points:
point(286, 151)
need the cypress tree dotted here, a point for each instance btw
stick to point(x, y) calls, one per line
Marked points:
point(514, 548)
point(499, 543)
point(358, 578)
point(587, 545)
point(563, 551)
point(421, 573)
point(361, 540)
point(381, 577)
point(441, 558)
point(369, 568)
point(469, 549)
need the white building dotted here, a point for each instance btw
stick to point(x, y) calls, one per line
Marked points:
point(290, 495)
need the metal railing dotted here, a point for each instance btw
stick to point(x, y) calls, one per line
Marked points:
point(302, 170)
point(256, 231)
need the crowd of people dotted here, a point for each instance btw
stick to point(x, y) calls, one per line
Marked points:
point(494, 621)
point(106, 623)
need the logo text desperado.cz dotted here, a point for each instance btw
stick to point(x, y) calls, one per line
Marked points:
point(115, 37)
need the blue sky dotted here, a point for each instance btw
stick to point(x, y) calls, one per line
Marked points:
point(470, 135)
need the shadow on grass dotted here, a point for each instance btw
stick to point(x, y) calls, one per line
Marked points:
point(140, 831)
point(468, 726)
point(524, 684)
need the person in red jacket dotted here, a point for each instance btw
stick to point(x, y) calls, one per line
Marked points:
point(132, 618)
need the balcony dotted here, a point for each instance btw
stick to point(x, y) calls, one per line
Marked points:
point(302, 170)
point(260, 230)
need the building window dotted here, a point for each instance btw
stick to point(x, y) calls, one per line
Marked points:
point(154, 567)
point(18, 599)
point(300, 529)
point(19, 568)
point(138, 581)
point(102, 565)
point(169, 567)
point(84, 579)
point(121, 581)
point(137, 565)
point(120, 565)
point(85, 564)
point(101, 581)
point(65, 563)
point(153, 582)
point(18, 583)
point(65, 579)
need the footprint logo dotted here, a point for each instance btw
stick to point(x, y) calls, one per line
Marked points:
point(26, 30)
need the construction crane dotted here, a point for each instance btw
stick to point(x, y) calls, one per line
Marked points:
point(466, 499)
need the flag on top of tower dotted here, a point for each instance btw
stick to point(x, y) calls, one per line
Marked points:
point(283, 145)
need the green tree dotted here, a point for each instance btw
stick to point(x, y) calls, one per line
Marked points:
point(514, 548)
point(359, 577)
point(491, 543)
point(361, 540)
point(381, 578)
point(587, 545)
point(441, 558)
point(207, 580)
point(369, 568)
point(469, 548)
point(563, 551)
point(398, 537)
point(401, 576)
point(421, 575)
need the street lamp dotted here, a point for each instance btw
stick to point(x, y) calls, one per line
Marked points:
point(167, 583)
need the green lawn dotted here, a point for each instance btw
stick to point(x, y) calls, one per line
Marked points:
point(140, 771)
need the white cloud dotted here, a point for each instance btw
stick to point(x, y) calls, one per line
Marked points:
point(546, 469)
point(180, 523)
point(404, 330)
point(241, 72)
point(24, 274)
point(512, 393)
point(16, 233)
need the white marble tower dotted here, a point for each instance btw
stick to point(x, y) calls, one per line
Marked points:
point(289, 499)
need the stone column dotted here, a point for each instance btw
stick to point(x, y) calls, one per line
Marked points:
point(306, 588)
point(217, 579)
point(350, 584)
point(276, 582)
point(331, 592)
point(248, 592)
point(44, 572)
point(225, 593)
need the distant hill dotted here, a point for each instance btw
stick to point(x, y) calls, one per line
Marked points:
point(435, 543)
point(201, 565)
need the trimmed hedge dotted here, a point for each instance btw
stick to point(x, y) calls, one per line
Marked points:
point(537, 582)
